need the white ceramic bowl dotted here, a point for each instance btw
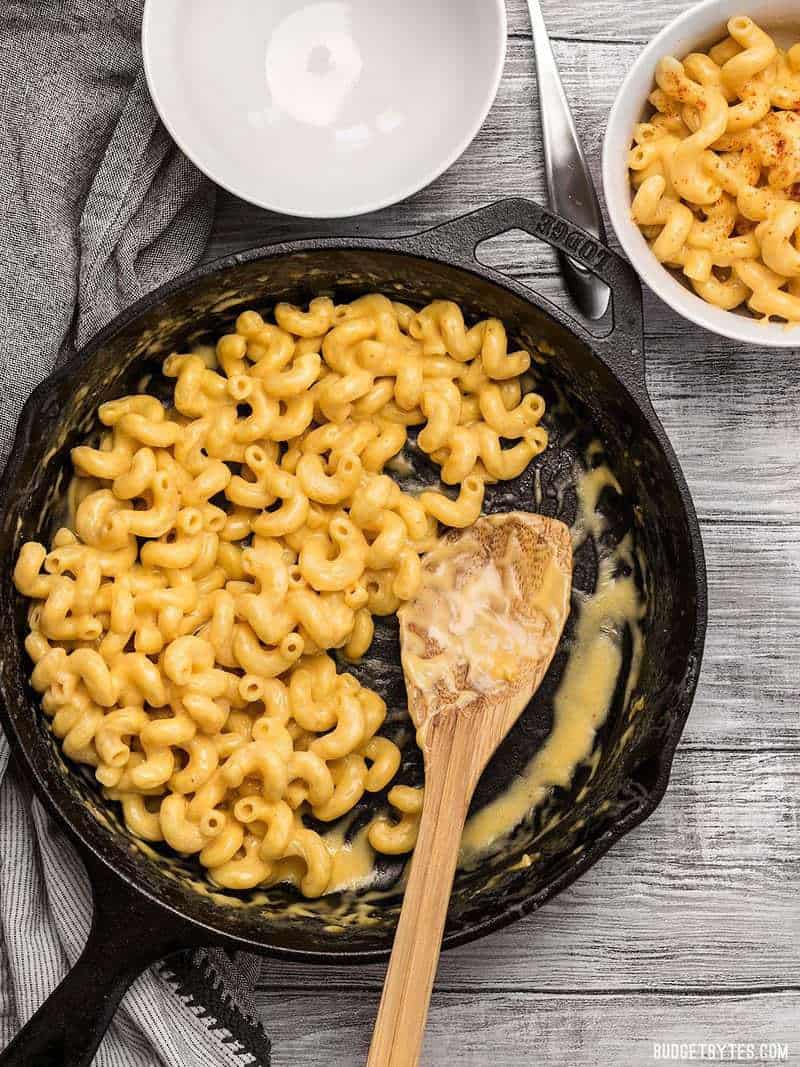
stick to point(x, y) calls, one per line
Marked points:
point(323, 109)
point(696, 29)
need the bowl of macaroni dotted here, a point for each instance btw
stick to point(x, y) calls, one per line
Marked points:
point(321, 108)
point(701, 168)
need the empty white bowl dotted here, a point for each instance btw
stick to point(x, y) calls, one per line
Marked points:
point(323, 109)
point(695, 30)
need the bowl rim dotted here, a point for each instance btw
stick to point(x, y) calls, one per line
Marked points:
point(419, 245)
point(151, 7)
point(699, 21)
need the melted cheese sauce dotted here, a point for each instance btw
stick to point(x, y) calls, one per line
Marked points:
point(583, 698)
point(353, 861)
point(474, 628)
point(469, 621)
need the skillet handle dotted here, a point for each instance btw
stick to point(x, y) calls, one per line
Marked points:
point(128, 934)
point(623, 347)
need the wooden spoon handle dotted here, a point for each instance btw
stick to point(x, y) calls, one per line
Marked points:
point(449, 782)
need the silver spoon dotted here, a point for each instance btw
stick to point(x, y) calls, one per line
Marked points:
point(570, 188)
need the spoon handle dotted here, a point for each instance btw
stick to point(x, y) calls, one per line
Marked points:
point(569, 182)
point(449, 782)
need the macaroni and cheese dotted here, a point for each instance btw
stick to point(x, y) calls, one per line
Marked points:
point(716, 172)
point(219, 549)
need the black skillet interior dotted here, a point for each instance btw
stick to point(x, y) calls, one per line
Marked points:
point(636, 749)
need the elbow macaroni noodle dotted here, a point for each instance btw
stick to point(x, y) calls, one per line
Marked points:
point(716, 172)
point(221, 548)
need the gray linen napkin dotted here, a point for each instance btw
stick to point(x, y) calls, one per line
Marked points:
point(98, 208)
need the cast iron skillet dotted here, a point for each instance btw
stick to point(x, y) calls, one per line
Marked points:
point(146, 905)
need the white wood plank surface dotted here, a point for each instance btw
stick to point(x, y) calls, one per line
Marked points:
point(521, 1029)
point(689, 930)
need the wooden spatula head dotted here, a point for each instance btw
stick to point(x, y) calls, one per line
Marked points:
point(482, 631)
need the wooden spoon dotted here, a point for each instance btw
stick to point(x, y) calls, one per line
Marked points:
point(476, 643)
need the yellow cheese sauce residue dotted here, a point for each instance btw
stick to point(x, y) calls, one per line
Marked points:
point(462, 621)
point(583, 698)
point(353, 861)
point(487, 616)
